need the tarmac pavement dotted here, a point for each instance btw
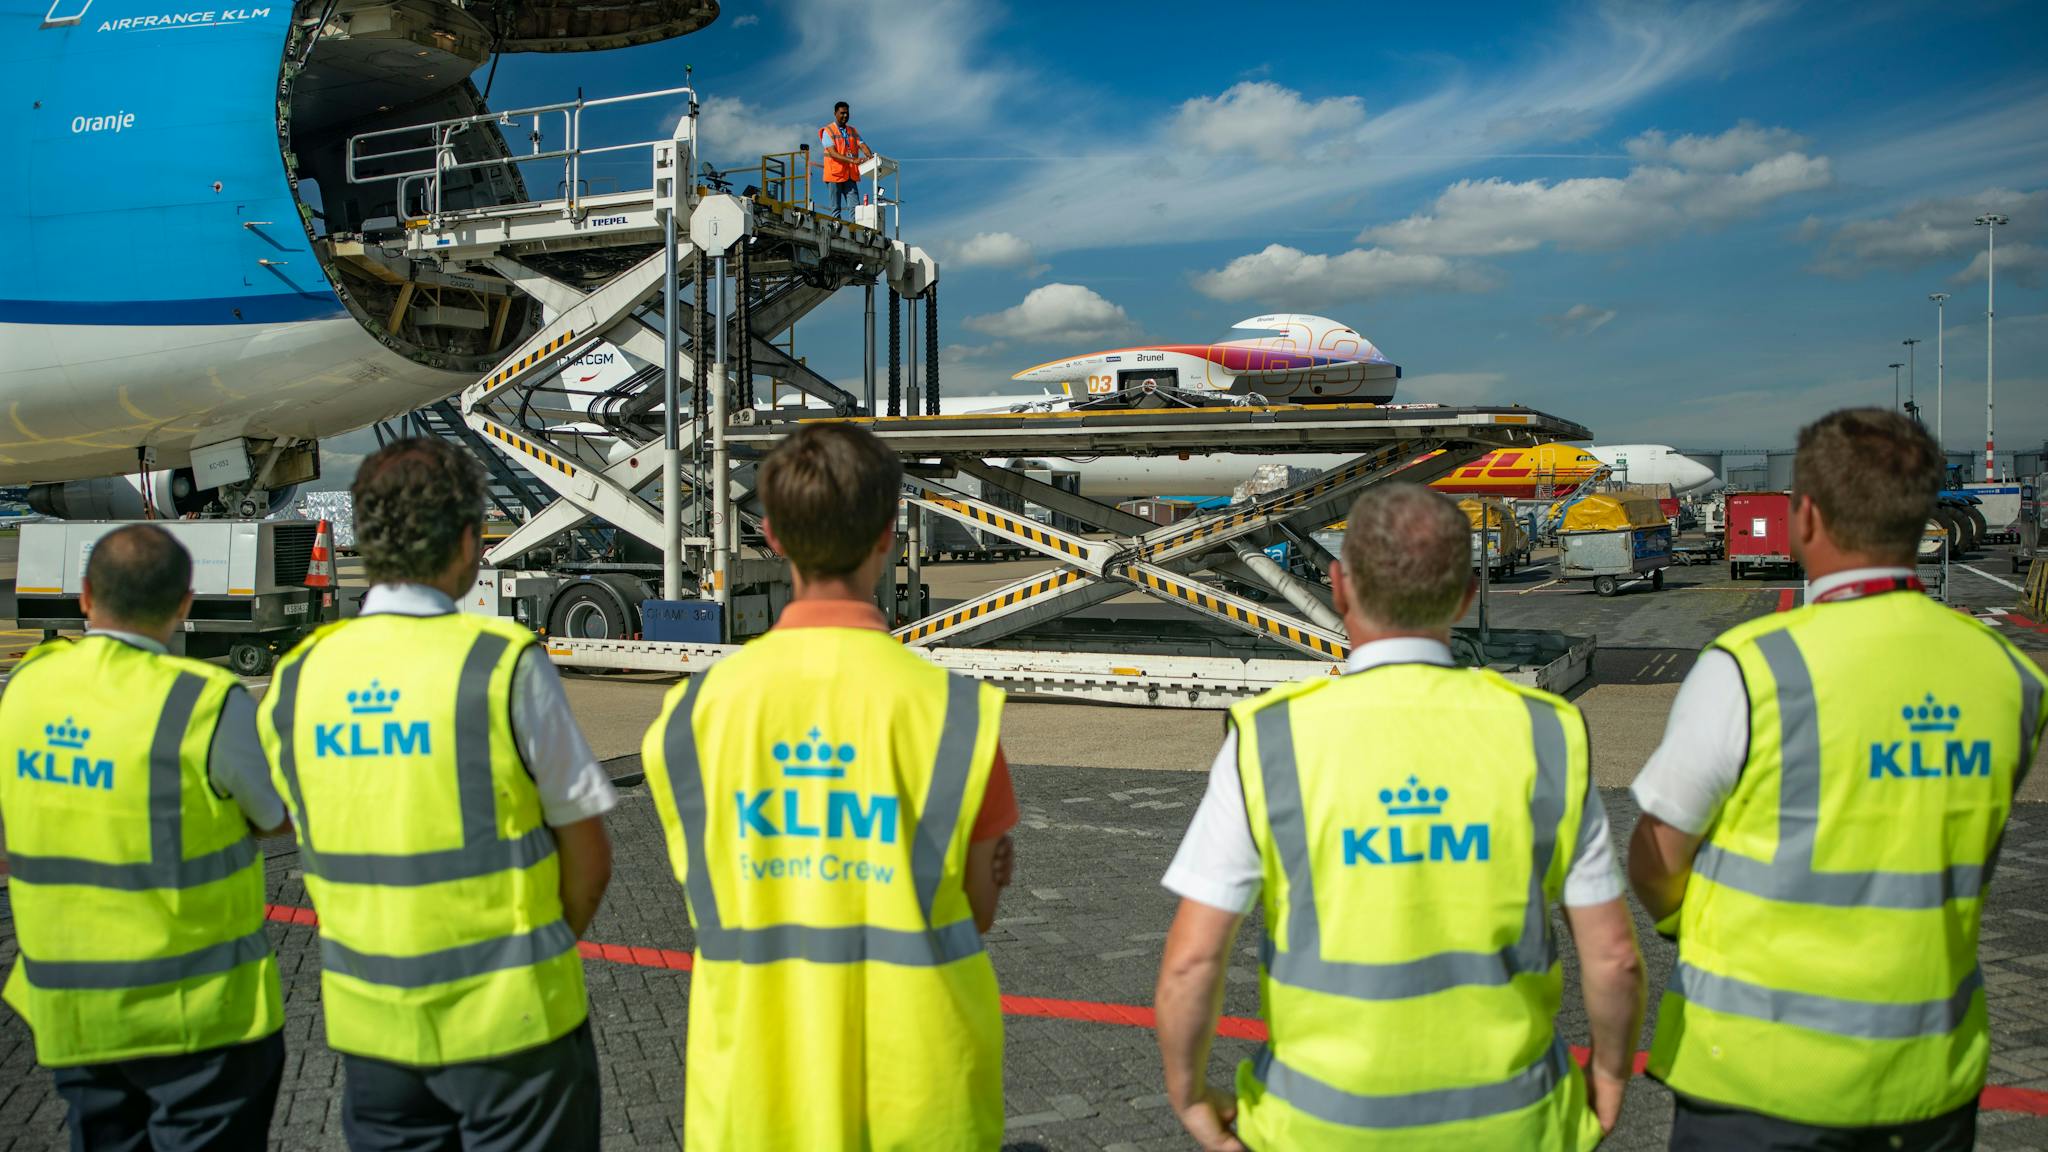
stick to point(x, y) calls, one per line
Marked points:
point(1076, 948)
point(1106, 794)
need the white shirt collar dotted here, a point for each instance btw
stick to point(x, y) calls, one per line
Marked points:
point(1399, 650)
point(406, 600)
point(1834, 580)
point(132, 639)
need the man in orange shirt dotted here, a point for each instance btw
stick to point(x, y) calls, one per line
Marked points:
point(844, 150)
point(837, 809)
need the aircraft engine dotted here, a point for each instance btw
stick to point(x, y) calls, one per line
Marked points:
point(171, 490)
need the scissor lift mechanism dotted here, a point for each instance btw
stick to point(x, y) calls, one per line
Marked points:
point(1122, 554)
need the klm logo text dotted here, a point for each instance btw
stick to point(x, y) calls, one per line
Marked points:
point(70, 766)
point(369, 736)
point(788, 812)
point(1413, 842)
point(1927, 758)
point(837, 812)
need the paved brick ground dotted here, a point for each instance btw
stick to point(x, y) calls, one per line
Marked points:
point(1086, 922)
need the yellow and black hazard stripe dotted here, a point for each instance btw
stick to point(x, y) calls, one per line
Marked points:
point(1231, 610)
point(1313, 492)
point(530, 359)
point(1028, 529)
point(530, 449)
point(987, 607)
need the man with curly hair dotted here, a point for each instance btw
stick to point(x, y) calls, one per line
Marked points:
point(450, 821)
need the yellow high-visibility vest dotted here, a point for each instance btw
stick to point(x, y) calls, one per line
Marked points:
point(437, 884)
point(137, 892)
point(1827, 955)
point(818, 789)
point(1416, 824)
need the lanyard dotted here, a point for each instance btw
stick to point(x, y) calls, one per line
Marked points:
point(1873, 587)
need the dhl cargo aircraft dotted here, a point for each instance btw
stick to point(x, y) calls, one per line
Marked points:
point(1538, 473)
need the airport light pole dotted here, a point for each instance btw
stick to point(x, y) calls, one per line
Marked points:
point(1989, 222)
point(1895, 366)
point(1940, 366)
point(1910, 397)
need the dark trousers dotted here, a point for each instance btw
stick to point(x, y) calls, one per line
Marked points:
point(542, 1098)
point(219, 1100)
point(1697, 1126)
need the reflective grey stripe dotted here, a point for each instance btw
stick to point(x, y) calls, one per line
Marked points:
point(216, 865)
point(847, 945)
point(477, 796)
point(2030, 716)
point(415, 869)
point(167, 771)
point(1302, 965)
point(104, 975)
point(1795, 882)
point(1860, 1018)
point(482, 852)
point(428, 968)
point(1413, 1109)
point(165, 868)
point(1790, 876)
point(284, 722)
point(938, 820)
point(686, 784)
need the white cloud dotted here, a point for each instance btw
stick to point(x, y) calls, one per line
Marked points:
point(1941, 230)
point(910, 61)
point(2023, 263)
point(1495, 216)
point(731, 131)
point(993, 250)
point(1263, 121)
point(1739, 147)
point(1285, 275)
point(747, 21)
point(1580, 320)
point(1054, 312)
point(1138, 184)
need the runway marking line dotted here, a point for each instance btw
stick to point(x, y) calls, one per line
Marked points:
point(1990, 577)
point(1996, 1097)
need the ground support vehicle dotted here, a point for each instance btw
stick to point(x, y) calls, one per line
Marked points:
point(250, 602)
point(1610, 557)
point(1759, 532)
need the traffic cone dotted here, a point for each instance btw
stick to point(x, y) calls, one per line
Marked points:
point(320, 566)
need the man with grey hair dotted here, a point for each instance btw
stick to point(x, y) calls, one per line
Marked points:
point(1409, 824)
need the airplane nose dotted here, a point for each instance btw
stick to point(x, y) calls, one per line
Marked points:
point(1694, 474)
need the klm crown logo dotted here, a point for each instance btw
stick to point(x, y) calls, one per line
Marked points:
point(372, 701)
point(814, 757)
point(1410, 841)
point(793, 811)
point(1414, 799)
point(76, 769)
point(370, 736)
point(67, 735)
point(1930, 716)
point(1929, 759)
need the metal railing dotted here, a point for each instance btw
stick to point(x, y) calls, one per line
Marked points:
point(433, 144)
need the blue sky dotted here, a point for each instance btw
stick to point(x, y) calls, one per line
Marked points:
point(1690, 224)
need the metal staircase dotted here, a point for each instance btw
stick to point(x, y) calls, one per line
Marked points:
point(599, 269)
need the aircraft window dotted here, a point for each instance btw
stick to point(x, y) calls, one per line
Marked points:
point(52, 18)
